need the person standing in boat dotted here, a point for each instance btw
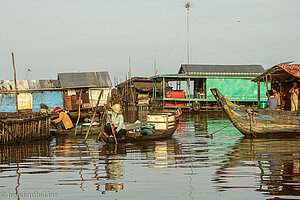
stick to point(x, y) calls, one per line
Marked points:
point(295, 97)
point(278, 97)
point(117, 121)
point(272, 101)
point(63, 122)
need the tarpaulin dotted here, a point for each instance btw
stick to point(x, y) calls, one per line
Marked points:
point(293, 69)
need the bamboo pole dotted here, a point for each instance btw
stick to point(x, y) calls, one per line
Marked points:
point(78, 118)
point(112, 130)
point(15, 79)
point(95, 110)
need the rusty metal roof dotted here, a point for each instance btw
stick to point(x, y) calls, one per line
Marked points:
point(281, 73)
point(84, 79)
point(29, 84)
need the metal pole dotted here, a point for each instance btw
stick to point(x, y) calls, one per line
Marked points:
point(187, 5)
point(258, 95)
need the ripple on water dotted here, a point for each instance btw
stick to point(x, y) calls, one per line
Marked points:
point(225, 166)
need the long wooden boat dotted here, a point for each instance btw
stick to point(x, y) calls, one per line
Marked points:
point(80, 131)
point(255, 122)
point(138, 136)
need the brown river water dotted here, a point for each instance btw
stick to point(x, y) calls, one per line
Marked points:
point(189, 165)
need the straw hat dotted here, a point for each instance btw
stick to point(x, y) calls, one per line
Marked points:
point(117, 108)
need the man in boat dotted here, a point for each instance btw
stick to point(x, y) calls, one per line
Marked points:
point(102, 117)
point(294, 91)
point(278, 97)
point(272, 100)
point(117, 128)
point(63, 122)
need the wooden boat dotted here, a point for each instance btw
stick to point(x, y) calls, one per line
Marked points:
point(255, 122)
point(95, 130)
point(165, 126)
point(138, 136)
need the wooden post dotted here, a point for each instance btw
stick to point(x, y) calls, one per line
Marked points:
point(78, 118)
point(258, 95)
point(95, 110)
point(15, 79)
point(163, 90)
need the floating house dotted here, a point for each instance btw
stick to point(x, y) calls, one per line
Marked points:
point(191, 86)
point(63, 92)
point(136, 91)
point(91, 84)
point(31, 93)
point(281, 78)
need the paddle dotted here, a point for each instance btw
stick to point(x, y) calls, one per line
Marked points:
point(111, 126)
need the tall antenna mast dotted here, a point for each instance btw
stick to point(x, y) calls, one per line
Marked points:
point(129, 73)
point(154, 63)
point(187, 6)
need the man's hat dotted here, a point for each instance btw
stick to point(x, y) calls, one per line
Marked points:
point(57, 109)
point(117, 108)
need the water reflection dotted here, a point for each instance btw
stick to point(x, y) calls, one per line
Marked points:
point(274, 162)
point(189, 165)
point(114, 168)
point(15, 153)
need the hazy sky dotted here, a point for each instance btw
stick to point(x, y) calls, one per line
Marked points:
point(51, 36)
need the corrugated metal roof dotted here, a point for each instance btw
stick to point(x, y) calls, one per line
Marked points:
point(28, 84)
point(103, 79)
point(221, 68)
point(84, 79)
point(281, 72)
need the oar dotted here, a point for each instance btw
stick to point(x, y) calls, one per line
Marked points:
point(87, 133)
point(112, 130)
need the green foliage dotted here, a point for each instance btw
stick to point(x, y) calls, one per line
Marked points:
point(43, 106)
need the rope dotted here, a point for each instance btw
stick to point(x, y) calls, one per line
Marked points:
point(221, 41)
point(249, 113)
point(172, 47)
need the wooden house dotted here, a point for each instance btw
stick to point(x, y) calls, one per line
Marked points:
point(136, 91)
point(91, 84)
point(281, 78)
point(31, 93)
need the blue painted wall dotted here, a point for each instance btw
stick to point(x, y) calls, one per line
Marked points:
point(51, 99)
point(7, 103)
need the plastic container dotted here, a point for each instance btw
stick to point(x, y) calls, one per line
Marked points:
point(178, 94)
point(263, 105)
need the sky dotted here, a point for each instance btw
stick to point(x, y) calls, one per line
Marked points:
point(52, 36)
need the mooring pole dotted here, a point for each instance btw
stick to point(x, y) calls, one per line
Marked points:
point(15, 78)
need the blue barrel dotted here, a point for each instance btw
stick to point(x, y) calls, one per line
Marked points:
point(263, 105)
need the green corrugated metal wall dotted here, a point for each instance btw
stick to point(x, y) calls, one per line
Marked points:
point(236, 89)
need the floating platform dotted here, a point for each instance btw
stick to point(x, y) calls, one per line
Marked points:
point(24, 127)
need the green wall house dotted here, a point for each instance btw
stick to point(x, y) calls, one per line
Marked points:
point(193, 83)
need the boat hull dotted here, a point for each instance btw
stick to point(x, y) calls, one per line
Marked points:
point(137, 137)
point(255, 122)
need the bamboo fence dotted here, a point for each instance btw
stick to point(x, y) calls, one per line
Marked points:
point(23, 127)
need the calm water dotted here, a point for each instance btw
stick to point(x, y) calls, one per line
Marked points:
point(187, 166)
